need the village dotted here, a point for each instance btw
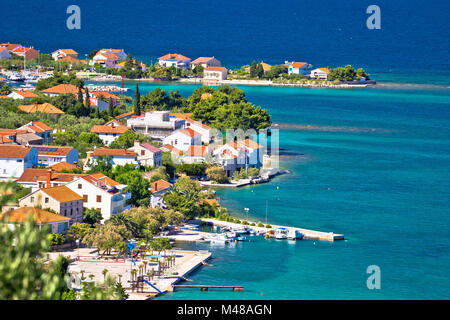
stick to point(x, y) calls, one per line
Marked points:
point(139, 171)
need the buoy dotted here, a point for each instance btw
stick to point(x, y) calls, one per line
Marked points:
point(278, 187)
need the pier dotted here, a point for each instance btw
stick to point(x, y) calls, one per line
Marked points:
point(308, 234)
point(206, 287)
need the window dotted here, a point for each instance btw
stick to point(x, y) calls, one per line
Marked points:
point(79, 186)
point(99, 198)
point(85, 198)
point(46, 199)
point(142, 152)
point(32, 199)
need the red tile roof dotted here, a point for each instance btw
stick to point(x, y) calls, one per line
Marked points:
point(43, 108)
point(109, 129)
point(160, 185)
point(215, 69)
point(62, 89)
point(35, 175)
point(13, 151)
point(26, 93)
point(149, 147)
point(196, 151)
point(63, 166)
point(62, 194)
point(124, 115)
point(189, 132)
point(113, 153)
point(40, 216)
point(174, 57)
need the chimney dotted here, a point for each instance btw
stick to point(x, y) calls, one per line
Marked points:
point(75, 164)
point(49, 178)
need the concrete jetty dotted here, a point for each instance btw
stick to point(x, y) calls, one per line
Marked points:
point(309, 234)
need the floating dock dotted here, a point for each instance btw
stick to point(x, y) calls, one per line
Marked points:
point(206, 287)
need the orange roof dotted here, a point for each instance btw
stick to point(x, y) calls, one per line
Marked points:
point(247, 143)
point(53, 150)
point(215, 69)
point(5, 140)
point(11, 132)
point(4, 97)
point(2, 79)
point(199, 123)
point(26, 93)
point(43, 108)
point(22, 49)
point(69, 59)
point(189, 132)
point(324, 70)
point(105, 94)
point(172, 149)
point(298, 65)
point(68, 51)
point(39, 215)
point(62, 89)
point(160, 185)
point(108, 180)
point(107, 55)
point(35, 175)
point(109, 129)
point(13, 151)
point(196, 151)
point(9, 46)
point(63, 166)
point(113, 152)
point(173, 57)
point(39, 126)
point(124, 115)
point(62, 194)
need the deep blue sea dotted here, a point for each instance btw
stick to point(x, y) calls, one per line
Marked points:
point(387, 190)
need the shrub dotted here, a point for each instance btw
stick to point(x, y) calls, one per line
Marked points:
point(268, 226)
point(245, 222)
point(56, 239)
point(261, 225)
point(252, 224)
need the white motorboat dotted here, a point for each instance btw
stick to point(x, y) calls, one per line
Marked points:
point(218, 238)
point(235, 236)
point(191, 226)
point(281, 233)
point(294, 235)
point(15, 76)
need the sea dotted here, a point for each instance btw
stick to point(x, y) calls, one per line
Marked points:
point(375, 166)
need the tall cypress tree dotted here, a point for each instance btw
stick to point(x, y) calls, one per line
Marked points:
point(80, 96)
point(137, 101)
point(110, 108)
point(260, 71)
point(253, 69)
point(87, 103)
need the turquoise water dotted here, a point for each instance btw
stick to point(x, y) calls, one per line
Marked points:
point(386, 190)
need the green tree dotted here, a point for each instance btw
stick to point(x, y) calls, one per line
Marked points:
point(137, 101)
point(108, 237)
point(217, 174)
point(110, 108)
point(92, 216)
point(253, 70)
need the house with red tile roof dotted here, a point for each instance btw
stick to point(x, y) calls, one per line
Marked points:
point(41, 178)
point(198, 126)
point(40, 129)
point(195, 154)
point(174, 59)
point(109, 132)
point(147, 155)
point(182, 139)
point(58, 167)
point(42, 108)
point(320, 73)
point(62, 53)
point(297, 67)
point(22, 94)
point(57, 223)
point(102, 193)
point(15, 159)
point(114, 156)
point(100, 99)
point(60, 199)
point(158, 190)
point(109, 57)
point(50, 155)
point(10, 46)
point(206, 62)
point(28, 52)
point(215, 73)
point(125, 116)
point(61, 89)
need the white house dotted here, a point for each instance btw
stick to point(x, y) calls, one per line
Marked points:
point(62, 53)
point(239, 154)
point(40, 129)
point(101, 193)
point(50, 155)
point(100, 99)
point(297, 67)
point(109, 133)
point(156, 124)
point(184, 138)
point(174, 59)
point(320, 73)
point(4, 54)
point(42, 178)
point(195, 154)
point(22, 94)
point(158, 190)
point(105, 59)
point(116, 157)
point(198, 126)
point(215, 73)
point(206, 62)
point(147, 154)
point(120, 53)
point(15, 159)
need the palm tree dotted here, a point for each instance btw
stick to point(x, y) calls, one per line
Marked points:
point(91, 276)
point(104, 272)
point(82, 274)
point(145, 265)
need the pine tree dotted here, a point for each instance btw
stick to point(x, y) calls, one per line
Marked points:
point(137, 101)
point(110, 108)
point(253, 70)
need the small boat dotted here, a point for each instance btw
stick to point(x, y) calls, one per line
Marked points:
point(281, 233)
point(15, 76)
point(235, 236)
point(219, 238)
point(294, 235)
